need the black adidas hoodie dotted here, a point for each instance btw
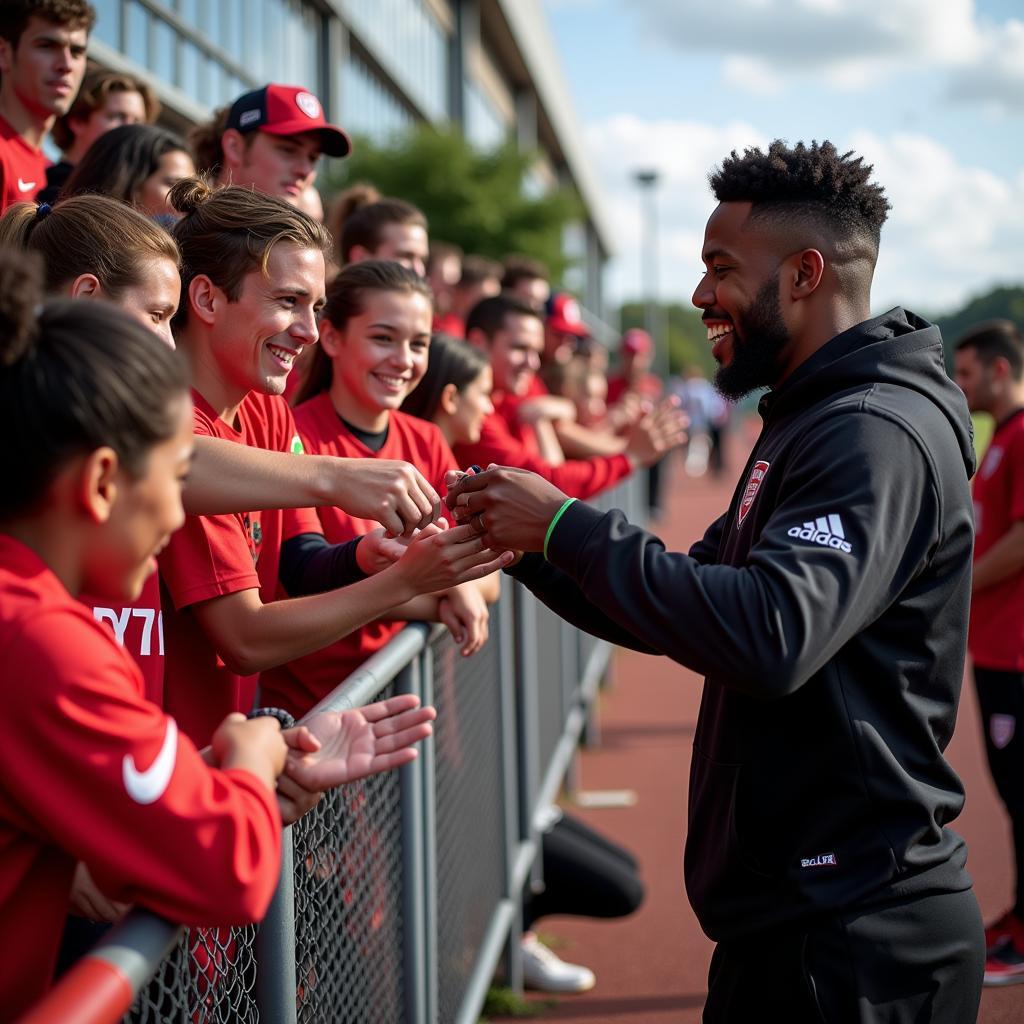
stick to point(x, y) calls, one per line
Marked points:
point(828, 611)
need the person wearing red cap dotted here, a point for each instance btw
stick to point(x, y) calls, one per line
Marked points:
point(42, 61)
point(269, 139)
point(563, 328)
point(636, 353)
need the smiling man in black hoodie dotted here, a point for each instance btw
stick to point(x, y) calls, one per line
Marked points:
point(827, 609)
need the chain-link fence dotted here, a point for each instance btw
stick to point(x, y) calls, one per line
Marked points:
point(399, 894)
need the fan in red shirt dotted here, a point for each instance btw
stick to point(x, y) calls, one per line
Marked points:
point(989, 364)
point(374, 344)
point(635, 355)
point(98, 421)
point(512, 334)
point(42, 61)
point(138, 271)
point(253, 283)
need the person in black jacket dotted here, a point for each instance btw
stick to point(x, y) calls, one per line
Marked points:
point(827, 609)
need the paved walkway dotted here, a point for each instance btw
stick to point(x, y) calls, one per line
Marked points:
point(652, 968)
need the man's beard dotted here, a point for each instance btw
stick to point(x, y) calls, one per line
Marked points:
point(755, 358)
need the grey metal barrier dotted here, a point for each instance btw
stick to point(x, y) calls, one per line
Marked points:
point(400, 895)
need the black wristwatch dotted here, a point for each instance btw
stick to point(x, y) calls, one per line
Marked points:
point(281, 715)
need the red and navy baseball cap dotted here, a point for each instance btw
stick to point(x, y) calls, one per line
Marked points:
point(286, 110)
point(564, 315)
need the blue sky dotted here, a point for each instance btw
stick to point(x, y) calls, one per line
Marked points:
point(930, 91)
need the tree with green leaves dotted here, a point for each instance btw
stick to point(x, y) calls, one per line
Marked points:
point(480, 201)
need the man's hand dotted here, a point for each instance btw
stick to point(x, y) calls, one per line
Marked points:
point(659, 431)
point(511, 508)
point(392, 493)
point(87, 900)
point(464, 611)
point(360, 742)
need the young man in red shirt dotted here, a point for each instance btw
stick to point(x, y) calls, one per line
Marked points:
point(990, 371)
point(42, 61)
point(269, 139)
point(512, 333)
point(252, 286)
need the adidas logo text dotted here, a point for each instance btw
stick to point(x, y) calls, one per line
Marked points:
point(826, 531)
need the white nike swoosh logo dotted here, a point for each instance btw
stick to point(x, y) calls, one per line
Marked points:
point(148, 786)
point(24, 186)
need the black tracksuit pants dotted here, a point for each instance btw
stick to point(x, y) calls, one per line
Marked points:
point(914, 962)
point(1001, 699)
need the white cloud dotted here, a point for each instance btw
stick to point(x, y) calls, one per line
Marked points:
point(954, 230)
point(848, 44)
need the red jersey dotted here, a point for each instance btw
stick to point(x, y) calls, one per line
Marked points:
point(507, 442)
point(299, 685)
point(139, 629)
point(93, 772)
point(211, 556)
point(996, 634)
point(22, 168)
point(451, 324)
point(648, 386)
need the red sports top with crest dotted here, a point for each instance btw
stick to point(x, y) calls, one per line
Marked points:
point(996, 635)
point(93, 772)
point(211, 556)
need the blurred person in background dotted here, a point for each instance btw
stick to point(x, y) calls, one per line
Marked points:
point(269, 139)
point(106, 100)
point(512, 334)
point(527, 279)
point(368, 226)
point(444, 268)
point(479, 279)
point(137, 164)
point(42, 62)
point(636, 356)
point(989, 367)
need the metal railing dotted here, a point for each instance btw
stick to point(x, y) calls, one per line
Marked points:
point(400, 895)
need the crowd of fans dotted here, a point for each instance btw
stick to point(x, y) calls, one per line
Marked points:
point(151, 619)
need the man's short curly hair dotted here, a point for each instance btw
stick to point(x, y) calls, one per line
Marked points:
point(14, 15)
point(814, 182)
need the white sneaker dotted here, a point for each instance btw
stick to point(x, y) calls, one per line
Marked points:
point(544, 972)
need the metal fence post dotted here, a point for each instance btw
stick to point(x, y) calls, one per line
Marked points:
point(275, 946)
point(413, 867)
point(429, 826)
point(512, 772)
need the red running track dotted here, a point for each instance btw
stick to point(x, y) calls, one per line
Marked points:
point(652, 968)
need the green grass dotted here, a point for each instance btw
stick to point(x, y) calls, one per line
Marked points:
point(503, 1002)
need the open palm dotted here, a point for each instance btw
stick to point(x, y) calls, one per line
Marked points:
point(360, 742)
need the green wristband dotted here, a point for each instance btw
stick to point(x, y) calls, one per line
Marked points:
point(554, 523)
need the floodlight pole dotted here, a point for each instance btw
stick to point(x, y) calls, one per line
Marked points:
point(655, 325)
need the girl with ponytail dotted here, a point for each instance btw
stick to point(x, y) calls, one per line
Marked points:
point(374, 344)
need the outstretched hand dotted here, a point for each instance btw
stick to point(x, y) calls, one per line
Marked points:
point(360, 742)
point(510, 508)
